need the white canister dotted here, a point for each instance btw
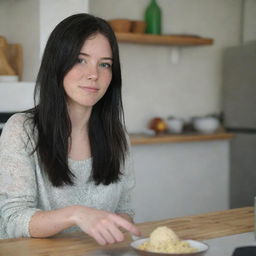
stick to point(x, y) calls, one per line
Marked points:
point(206, 124)
point(175, 125)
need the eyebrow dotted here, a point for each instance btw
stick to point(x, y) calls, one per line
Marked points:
point(103, 58)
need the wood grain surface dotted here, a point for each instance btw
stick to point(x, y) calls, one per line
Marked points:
point(15, 57)
point(198, 227)
point(163, 39)
point(208, 225)
point(176, 138)
point(11, 58)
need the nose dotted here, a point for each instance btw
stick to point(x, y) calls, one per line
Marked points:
point(92, 77)
point(92, 73)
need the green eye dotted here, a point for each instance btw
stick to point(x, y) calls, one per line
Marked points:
point(105, 65)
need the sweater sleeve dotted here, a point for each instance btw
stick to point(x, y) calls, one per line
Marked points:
point(128, 180)
point(18, 190)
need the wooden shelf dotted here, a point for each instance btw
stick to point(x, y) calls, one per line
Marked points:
point(137, 139)
point(182, 40)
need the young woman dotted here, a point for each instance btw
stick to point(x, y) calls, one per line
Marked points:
point(65, 163)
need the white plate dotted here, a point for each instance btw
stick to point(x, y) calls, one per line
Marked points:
point(200, 246)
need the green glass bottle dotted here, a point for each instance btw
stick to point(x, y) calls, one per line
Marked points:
point(153, 18)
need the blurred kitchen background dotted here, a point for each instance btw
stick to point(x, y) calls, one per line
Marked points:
point(179, 177)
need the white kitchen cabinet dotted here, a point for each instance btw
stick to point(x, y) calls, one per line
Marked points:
point(178, 179)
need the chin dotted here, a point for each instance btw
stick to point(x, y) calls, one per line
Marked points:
point(88, 102)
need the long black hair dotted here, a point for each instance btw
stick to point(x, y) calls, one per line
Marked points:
point(108, 142)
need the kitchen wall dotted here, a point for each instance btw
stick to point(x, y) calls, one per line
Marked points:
point(250, 21)
point(19, 23)
point(58, 10)
point(153, 85)
point(30, 22)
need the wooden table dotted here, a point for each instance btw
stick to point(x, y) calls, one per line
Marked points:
point(198, 227)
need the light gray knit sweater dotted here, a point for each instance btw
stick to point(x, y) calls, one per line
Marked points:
point(25, 188)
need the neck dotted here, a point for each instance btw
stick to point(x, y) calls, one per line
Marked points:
point(79, 117)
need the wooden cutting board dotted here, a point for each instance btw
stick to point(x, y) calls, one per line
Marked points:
point(15, 58)
point(11, 58)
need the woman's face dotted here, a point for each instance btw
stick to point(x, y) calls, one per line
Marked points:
point(88, 80)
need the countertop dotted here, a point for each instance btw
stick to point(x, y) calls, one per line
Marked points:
point(225, 246)
point(198, 227)
point(137, 139)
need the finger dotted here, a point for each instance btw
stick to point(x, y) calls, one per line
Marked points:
point(116, 233)
point(98, 237)
point(121, 222)
point(108, 237)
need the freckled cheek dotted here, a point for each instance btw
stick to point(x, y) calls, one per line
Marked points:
point(73, 74)
point(107, 78)
point(69, 81)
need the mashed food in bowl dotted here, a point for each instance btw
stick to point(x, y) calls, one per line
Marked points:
point(164, 240)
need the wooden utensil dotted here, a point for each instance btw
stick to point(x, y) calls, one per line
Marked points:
point(15, 58)
point(11, 58)
point(5, 67)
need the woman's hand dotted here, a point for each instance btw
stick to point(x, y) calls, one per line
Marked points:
point(103, 226)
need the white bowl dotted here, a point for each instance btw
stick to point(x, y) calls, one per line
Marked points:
point(175, 125)
point(206, 124)
point(8, 78)
point(200, 246)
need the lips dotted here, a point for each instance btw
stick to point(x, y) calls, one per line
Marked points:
point(89, 89)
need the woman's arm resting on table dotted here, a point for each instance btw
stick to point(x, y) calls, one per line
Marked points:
point(103, 226)
point(49, 223)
